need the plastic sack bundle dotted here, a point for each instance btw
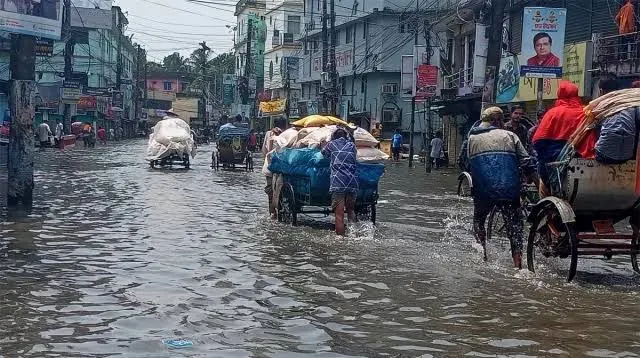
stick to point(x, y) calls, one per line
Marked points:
point(229, 130)
point(318, 138)
point(170, 136)
point(364, 138)
point(286, 139)
point(319, 121)
point(297, 161)
point(371, 155)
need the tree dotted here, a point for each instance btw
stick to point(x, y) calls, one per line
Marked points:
point(175, 63)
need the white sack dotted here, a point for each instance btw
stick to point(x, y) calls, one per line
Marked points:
point(371, 155)
point(286, 139)
point(317, 138)
point(364, 138)
point(170, 136)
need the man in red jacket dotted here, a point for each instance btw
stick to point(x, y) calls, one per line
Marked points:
point(557, 126)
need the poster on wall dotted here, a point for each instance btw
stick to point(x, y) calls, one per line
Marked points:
point(542, 42)
point(513, 88)
point(40, 18)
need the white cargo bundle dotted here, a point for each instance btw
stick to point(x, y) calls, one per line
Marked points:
point(170, 136)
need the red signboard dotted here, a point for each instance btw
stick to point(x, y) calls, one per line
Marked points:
point(426, 81)
point(87, 103)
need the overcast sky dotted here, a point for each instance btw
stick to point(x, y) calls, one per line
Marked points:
point(167, 26)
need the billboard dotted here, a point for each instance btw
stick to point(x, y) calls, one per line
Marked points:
point(91, 18)
point(542, 42)
point(92, 4)
point(426, 81)
point(513, 88)
point(41, 18)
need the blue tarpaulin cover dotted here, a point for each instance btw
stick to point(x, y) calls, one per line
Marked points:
point(312, 164)
point(229, 130)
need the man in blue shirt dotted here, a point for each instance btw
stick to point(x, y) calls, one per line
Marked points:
point(396, 144)
point(344, 177)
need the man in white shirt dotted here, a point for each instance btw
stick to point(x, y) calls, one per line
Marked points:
point(44, 132)
point(267, 148)
point(437, 150)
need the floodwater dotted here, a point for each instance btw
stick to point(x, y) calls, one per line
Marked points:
point(118, 257)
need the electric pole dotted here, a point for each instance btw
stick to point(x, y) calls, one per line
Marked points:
point(325, 55)
point(68, 59)
point(334, 71)
point(136, 97)
point(119, 75)
point(494, 50)
point(21, 137)
point(413, 98)
point(427, 155)
point(247, 66)
point(205, 84)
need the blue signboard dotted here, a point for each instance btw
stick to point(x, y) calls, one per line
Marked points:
point(542, 42)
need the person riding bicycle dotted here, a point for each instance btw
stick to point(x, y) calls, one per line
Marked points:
point(495, 156)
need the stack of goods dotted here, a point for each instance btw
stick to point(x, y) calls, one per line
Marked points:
point(298, 153)
point(171, 136)
point(229, 130)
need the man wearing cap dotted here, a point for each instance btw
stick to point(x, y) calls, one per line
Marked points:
point(495, 156)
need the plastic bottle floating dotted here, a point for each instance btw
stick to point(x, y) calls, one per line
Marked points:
point(178, 343)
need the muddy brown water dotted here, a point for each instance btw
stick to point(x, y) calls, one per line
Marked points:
point(117, 257)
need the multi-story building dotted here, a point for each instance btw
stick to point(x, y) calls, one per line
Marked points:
point(99, 38)
point(166, 90)
point(250, 14)
point(282, 53)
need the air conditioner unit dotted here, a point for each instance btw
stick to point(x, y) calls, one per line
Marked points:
point(324, 79)
point(390, 88)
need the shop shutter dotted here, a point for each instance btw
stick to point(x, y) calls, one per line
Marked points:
point(579, 17)
point(515, 31)
point(603, 19)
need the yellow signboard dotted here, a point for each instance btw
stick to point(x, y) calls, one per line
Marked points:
point(277, 106)
point(573, 69)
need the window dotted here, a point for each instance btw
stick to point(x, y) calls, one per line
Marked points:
point(276, 59)
point(167, 85)
point(302, 90)
point(402, 28)
point(271, 70)
point(318, 2)
point(390, 88)
point(270, 20)
point(184, 86)
point(293, 24)
point(337, 38)
point(347, 39)
point(365, 30)
point(343, 86)
point(363, 84)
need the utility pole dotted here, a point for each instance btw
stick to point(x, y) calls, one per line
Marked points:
point(136, 97)
point(427, 155)
point(287, 88)
point(494, 50)
point(334, 72)
point(68, 59)
point(21, 138)
point(247, 66)
point(205, 84)
point(119, 72)
point(325, 55)
point(413, 99)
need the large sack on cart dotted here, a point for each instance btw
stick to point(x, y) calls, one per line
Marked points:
point(170, 136)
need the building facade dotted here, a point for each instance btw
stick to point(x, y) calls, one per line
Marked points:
point(283, 51)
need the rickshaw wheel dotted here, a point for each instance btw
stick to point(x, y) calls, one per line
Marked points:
point(374, 213)
point(185, 161)
point(635, 244)
point(152, 164)
point(464, 186)
point(287, 206)
point(542, 238)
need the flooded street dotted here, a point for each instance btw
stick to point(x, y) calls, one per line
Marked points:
point(118, 257)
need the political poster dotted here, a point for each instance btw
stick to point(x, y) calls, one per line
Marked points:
point(542, 42)
point(40, 18)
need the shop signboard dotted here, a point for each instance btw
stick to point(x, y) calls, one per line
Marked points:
point(514, 88)
point(36, 18)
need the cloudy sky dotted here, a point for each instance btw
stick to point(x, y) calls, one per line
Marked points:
point(167, 26)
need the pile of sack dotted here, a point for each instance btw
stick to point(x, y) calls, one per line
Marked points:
point(318, 137)
point(170, 136)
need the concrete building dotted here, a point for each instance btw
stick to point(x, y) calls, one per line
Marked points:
point(166, 90)
point(282, 51)
point(250, 80)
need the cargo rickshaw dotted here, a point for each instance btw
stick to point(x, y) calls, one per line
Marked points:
point(309, 194)
point(589, 200)
point(232, 148)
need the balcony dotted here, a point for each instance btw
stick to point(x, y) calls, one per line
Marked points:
point(283, 39)
point(619, 54)
point(460, 79)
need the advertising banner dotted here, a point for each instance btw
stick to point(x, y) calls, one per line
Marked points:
point(227, 93)
point(513, 88)
point(87, 103)
point(92, 4)
point(92, 18)
point(426, 82)
point(480, 56)
point(41, 18)
point(542, 40)
point(273, 107)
